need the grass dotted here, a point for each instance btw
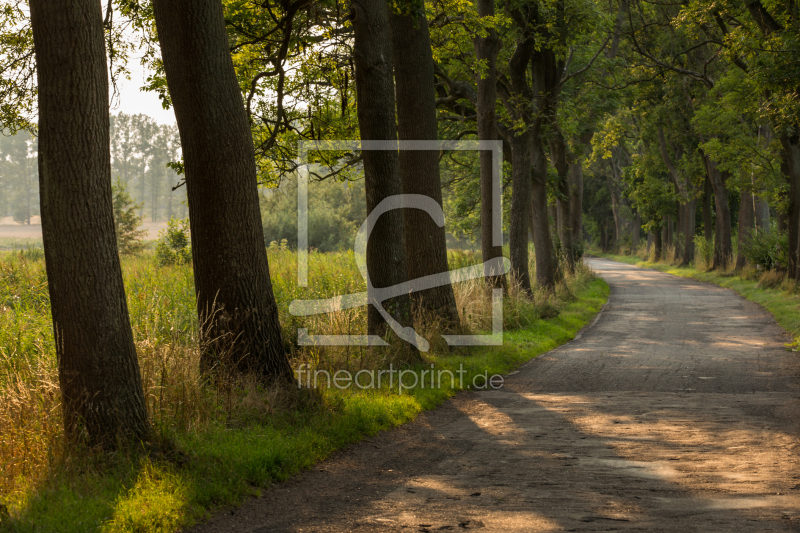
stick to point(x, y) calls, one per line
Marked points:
point(771, 290)
point(212, 447)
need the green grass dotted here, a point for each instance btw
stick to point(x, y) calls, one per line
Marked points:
point(213, 460)
point(782, 300)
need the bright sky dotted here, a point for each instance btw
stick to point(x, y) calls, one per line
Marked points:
point(133, 101)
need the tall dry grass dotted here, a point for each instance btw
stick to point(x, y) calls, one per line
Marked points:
point(164, 321)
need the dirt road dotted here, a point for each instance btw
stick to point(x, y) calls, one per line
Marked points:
point(676, 411)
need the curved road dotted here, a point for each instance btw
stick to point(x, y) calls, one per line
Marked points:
point(676, 411)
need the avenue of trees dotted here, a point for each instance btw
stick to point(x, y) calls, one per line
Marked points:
point(620, 121)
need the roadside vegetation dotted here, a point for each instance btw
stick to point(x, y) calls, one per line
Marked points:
point(763, 280)
point(214, 446)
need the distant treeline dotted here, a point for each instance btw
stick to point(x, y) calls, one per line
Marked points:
point(140, 151)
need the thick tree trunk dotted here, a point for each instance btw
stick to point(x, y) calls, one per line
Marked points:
point(426, 246)
point(386, 259)
point(558, 154)
point(576, 200)
point(791, 147)
point(101, 387)
point(486, 50)
point(723, 250)
point(708, 224)
point(237, 308)
point(520, 205)
point(746, 224)
point(542, 243)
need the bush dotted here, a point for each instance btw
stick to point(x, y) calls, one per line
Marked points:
point(703, 251)
point(173, 243)
point(768, 250)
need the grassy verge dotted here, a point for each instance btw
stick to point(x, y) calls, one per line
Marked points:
point(215, 455)
point(774, 293)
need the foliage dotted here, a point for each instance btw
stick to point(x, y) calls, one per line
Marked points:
point(126, 221)
point(174, 246)
point(767, 249)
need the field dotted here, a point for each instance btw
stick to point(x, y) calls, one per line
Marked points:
point(213, 446)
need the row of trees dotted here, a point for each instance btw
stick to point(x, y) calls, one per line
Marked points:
point(662, 101)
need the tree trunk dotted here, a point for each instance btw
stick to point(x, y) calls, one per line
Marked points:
point(576, 200)
point(708, 225)
point(486, 50)
point(235, 302)
point(426, 246)
point(558, 154)
point(723, 250)
point(542, 243)
point(761, 208)
point(657, 244)
point(637, 228)
point(689, 229)
point(520, 205)
point(791, 147)
point(386, 258)
point(746, 224)
point(101, 387)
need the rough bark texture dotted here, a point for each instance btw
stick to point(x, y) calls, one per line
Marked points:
point(542, 243)
point(520, 206)
point(486, 50)
point(386, 258)
point(521, 166)
point(746, 224)
point(101, 387)
point(558, 154)
point(426, 246)
point(237, 308)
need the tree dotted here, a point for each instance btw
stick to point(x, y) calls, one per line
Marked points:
point(426, 248)
point(126, 221)
point(386, 257)
point(101, 386)
point(235, 300)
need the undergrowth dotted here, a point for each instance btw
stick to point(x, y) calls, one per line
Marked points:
point(213, 446)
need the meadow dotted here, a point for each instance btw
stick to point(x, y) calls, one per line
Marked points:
point(212, 446)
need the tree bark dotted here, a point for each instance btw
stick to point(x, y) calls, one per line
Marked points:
point(235, 302)
point(761, 208)
point(101, 387)
point(542, 243)
point(386, 258)
point(791, 147)
point(486, 50)
point(558, 154)
point(746, 224)
point(426, 246)
point(576, 199)
point(723, 250)
point(708, 224)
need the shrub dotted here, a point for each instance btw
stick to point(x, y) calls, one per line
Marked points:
point(173, 243)
point(768, 249)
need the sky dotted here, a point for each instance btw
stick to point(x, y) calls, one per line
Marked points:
point(133, 101)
